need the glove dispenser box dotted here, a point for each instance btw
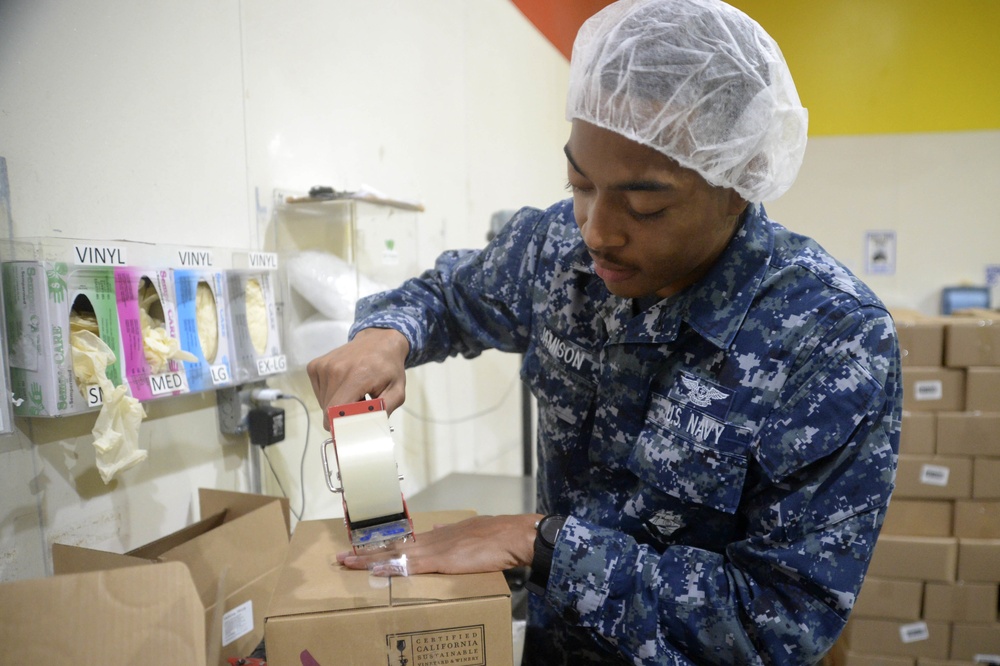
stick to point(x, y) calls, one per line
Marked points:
point(150, 332)
point(203, 322)
point(254, 322)
point(40, 297)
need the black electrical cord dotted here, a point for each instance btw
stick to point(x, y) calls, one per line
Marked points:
point(302, 461)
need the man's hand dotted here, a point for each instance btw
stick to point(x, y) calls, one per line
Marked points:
point(476, 545)
point(373, 363)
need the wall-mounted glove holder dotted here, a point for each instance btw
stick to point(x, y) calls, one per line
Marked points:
point(164, 312)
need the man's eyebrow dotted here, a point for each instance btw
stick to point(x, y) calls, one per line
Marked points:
point(626, 186)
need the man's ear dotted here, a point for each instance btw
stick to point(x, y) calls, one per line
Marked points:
point(737, 204)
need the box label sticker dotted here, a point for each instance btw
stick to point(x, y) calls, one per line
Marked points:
point(271, 365)
point(95, 396)
point(929, 389)
point(439, 647)
point(220, 374)
point(934, 475)
point(237, 623)
point(986, 659)
point(911, 633)
point(168, 383)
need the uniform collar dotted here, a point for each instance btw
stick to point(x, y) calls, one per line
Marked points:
point(714, 307)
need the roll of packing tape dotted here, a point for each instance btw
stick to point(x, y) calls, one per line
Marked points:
point(367, 466)
point(207, 317)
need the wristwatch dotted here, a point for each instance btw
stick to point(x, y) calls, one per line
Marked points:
point(546, 532)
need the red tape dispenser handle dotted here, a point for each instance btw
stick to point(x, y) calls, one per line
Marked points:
point(366, 476)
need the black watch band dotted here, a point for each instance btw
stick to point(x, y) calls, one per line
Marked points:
point(546, 532)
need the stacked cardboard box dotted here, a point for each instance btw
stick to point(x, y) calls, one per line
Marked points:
point(931, 596)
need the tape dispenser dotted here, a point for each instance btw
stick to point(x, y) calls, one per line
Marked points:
point(366, 477)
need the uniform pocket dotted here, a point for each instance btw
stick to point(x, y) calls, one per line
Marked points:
point(691, 456)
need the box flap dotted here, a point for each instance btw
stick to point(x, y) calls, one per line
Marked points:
point(312, 581)
point(240, 549)
point(237, 504)
point(74, 559)
point(134, 615)
point(154, 549)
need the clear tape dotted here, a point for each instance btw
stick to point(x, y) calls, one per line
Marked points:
point(395, 566)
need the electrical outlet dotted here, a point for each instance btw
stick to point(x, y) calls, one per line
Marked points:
point(234, 407)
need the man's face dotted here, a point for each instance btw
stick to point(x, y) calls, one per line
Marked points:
point(652, 226)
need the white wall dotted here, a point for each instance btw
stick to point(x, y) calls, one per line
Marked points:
point(935, 191)
point(174, 123)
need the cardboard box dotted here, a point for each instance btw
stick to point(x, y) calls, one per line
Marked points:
point(857, 659)
point(986, 478)
point(960, 602)
point(979, 560)
point(234, 553)
point(889, 599)
point(254, 325)
point(933, 477)
point(971, 341)
point(890, 637)
point(921, 341)
point(38, 299)
point(121, 617)
point(968, 433)
point(328, 611)
point(982, 389)
point(933, 389)
point(943, 662)
point(915, 558)
point(918, 433)
point(932, 518)
point(214, 366)
point(977, 520)
point(131, 285)
point(979, 643)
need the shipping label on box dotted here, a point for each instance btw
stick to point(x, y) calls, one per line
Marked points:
point(971, 341)
point(146, 306)
point(254, 325)
point(933, 477)
point(39, 298)
point(203, 321)
point(327, 611)
point(968, 433)
point(933, 389)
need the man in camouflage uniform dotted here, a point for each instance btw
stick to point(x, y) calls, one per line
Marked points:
point(719, 399)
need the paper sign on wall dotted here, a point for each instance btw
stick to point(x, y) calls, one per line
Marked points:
point(880, 252)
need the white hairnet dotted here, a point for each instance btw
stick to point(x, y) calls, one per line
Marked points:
point(700, 82)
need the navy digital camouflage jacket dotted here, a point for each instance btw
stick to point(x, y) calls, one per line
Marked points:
point(725, 456)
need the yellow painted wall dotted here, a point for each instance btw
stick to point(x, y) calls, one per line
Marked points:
point(890, 66)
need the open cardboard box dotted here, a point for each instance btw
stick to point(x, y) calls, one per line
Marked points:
point(322, 613)
point(197, 596)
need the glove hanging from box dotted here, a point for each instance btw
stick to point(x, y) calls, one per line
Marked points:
point(116, 431)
